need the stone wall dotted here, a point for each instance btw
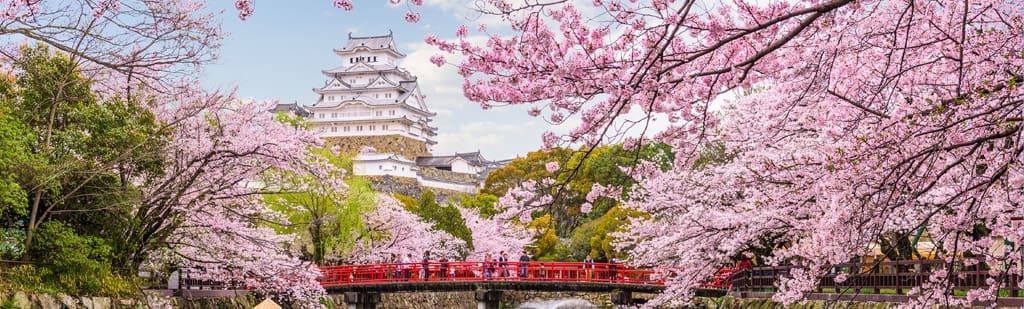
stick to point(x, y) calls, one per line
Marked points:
point(764, 303)
point(25, 300)
point(466, 300)
point(446, 175)
point(404, 146)
point(406, 186)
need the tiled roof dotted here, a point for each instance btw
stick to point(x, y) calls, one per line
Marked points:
point(372, 42)
point(472, 157)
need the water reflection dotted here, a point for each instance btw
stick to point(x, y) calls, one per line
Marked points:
point(563, 303)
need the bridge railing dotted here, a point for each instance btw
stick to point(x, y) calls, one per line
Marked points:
point(475, 271)
point(890, 276)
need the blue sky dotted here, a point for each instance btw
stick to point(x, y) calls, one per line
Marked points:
point(278, 52)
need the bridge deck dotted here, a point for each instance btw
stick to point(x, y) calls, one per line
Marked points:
point(470, 285)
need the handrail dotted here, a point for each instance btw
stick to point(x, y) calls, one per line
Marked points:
point(876, 276)
point(477, 271)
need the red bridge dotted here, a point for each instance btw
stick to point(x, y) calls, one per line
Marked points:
point(362, 284)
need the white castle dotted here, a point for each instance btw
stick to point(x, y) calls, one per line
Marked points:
point(371, 106)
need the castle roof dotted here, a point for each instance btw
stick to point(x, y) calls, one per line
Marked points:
point(293, 108)
point(379, 42)
point(434, 161)
point(381, 157)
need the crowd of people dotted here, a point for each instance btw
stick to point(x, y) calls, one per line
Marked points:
point(501, 265)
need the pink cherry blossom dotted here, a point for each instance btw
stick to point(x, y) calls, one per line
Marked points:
point(551, 166)
point(437, 60)
point(412, 17)
point(461, 31)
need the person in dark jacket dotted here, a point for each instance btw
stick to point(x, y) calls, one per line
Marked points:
point(425, 272)
point(443, 269)
point(524, 262)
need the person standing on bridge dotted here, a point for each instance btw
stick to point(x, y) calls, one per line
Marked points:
point(406, 267)
point(425, 272)
point(443, 271)
point(524, 262)
point(503, 264)
point(588, 266)
point(393, 266)
point(488, 266)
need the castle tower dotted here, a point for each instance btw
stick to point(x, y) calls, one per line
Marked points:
point(370, 101)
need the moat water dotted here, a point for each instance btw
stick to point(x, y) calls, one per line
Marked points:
point(562, 303)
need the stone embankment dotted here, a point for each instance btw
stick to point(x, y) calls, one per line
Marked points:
point(24, 300)
point(763, 303)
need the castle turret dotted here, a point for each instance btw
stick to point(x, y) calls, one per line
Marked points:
point(369, 101)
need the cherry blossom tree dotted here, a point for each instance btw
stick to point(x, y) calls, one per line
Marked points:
point(127, 43)
point(493, 235)
point(204, 209)
point(394, 230)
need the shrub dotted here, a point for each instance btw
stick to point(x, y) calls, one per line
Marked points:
point(69, 263)
point(65, 252)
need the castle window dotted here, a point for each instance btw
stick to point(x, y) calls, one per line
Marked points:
point(346, 128)
point(334, 115)
point(373, 128)
point(330, 98)
point(379, 113)
point(384, 127)
point(391, 112)
point(387, 95)
point(321, 116)
point(334, 129)
point(380, 167)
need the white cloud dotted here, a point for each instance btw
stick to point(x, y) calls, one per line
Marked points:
point(443, 86)
point(495, 139)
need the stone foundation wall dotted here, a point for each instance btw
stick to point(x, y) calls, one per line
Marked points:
point(446, 175)
point(406, 186)
point(466, 300)
point(764, 303)
point(25, 300)
point(406, 147)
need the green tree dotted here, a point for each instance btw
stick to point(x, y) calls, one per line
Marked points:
point(531, 167)
point(546, 238)
point(482, 202)
point(15, 159)
point(579, 242)
point(614, 221)
point(446, 218)
point(15, 166)
point(84, 151)
point(580, 171)
point(328, 220)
